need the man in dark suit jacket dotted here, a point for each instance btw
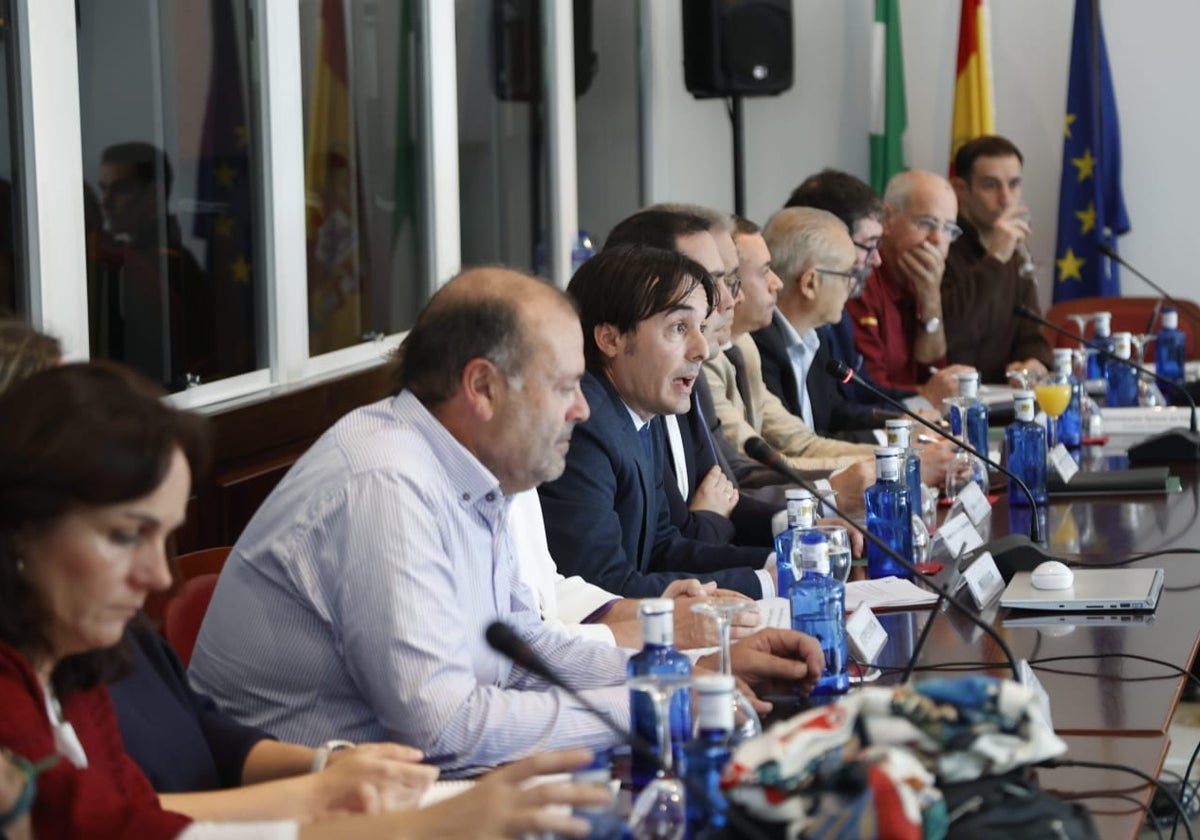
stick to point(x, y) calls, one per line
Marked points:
point(607, 517)
point(806, 250)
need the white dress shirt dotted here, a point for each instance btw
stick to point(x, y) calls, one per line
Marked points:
point(355, 603)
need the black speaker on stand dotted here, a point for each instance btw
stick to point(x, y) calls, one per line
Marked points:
point(733, 49)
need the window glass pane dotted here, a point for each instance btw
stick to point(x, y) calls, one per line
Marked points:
point(366, 272)
point(501, 132)
point(607, 122)
point(13, 271)
point(171, 187)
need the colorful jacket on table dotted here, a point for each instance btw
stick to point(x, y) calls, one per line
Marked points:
point(110, 798)
point(885, 326)
point(978, 296)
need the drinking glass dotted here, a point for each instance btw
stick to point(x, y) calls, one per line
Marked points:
point(840, 554)
point(660, 810)
point(1081, 320)
point(746, 723)
point(964, 469)
point(1091, 424)
point(1149, 393)
point(1053, 395)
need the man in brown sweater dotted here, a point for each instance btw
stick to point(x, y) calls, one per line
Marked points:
point(986, 273)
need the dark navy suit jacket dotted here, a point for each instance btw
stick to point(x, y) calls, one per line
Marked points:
point(833, 415)
point(749, 523)
point(608, 519)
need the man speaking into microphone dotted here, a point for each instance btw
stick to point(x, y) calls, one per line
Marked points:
point(988, 270)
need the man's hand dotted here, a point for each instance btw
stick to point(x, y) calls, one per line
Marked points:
point(923, 266)
point(1031, 367)
point(851, 483)
point(715, 493)
point(776, 655)
point(936, 459)
point(1008, 231)
point(943, 384)
point(697, 630)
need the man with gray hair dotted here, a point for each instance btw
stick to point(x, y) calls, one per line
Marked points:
point(803, 244)
point(898, 319)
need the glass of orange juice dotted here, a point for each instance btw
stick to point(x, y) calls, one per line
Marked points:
point(1053, 396)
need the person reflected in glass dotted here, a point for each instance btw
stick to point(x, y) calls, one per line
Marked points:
point(153, 304)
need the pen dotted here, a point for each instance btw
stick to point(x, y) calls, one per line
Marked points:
point(925, 439)
point(439, 760)
point(934, 370)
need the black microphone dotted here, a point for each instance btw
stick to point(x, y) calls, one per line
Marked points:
point(1115, 257)
point(503, 639)
point(1167, 447)
point(1013, 552)
point(760, 450)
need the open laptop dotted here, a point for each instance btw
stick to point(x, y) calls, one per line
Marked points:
point(1094, 590)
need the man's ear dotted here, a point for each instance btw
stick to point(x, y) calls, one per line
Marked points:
point(807, 283)
point(609, 340)
point(960, 186)
point(481, 384)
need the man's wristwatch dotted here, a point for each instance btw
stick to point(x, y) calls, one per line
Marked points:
point(932, 325)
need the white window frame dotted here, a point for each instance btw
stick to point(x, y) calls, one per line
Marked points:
point(51, 159)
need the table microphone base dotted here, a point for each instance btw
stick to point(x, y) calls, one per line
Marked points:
point(1013, 553)
point(1171, 446)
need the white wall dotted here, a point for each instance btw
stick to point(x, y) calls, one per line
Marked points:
point(822, 120)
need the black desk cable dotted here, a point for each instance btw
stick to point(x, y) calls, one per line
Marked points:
point(1101, 765)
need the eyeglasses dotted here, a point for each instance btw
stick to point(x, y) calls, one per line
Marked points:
point(929, 224)
point(854, 278)
point(867, 250)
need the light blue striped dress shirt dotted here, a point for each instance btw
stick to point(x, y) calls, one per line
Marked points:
point(354, 606)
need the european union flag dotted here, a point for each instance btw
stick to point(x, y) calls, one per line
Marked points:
point(225, 198)
point(1091, 208)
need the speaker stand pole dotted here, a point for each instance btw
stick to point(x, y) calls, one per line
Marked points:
point(739, 155)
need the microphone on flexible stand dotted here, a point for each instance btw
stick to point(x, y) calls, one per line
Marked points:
point(1166, 447)
point(503, 639)
point(1112, 254)
point(760, 450)
point(1013, 552)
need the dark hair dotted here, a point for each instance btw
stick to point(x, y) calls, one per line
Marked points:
point(24, 351)
point(989, 145)
point(745, 227)
point(624, 285)
point(146, 159)
point(843, 195)
point(71, 437)
point(656, 228)
point(481, 321)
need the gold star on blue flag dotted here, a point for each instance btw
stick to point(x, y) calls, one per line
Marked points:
point(1091, 206)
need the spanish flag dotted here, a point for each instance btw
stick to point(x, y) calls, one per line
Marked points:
point(974, 99)
point(335, 269)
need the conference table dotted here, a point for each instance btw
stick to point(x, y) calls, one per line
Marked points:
point(1109, 706)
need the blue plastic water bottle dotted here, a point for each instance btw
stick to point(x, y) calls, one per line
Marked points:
point(658, 656)
point(705, 756)
point(1097, 364)
point(581, 251)
point(977, 412)
point(1070, 422)
point(899, 435)
point(801, 514)
point(889, 516)
point(605, 822)
point(1170, 348)
point(1025, 451)
point(819, 610)
point(1122, 379)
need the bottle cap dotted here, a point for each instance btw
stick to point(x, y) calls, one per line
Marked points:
point(714, 702)
point(658, 621)
point(814, 553)
point(796, 493)
point(1103, 322)
point(1122, 345)
point(655, 606)
point(887, 463)
point(1170, 318)
point(898, 432)
point(968, 384)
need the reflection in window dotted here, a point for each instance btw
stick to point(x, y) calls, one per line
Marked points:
point(12, 265)
point(365, 276)
point(170, 187)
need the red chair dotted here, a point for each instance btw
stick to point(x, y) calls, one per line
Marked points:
point(1130, 314)
point(182, 614)
point(206, 561)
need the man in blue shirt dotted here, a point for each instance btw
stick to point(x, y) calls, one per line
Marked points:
point(354, 604)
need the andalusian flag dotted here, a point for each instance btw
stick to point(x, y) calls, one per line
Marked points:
point(1091, 205)
point(331, 180)
point(974, 99)
point(889, 113)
